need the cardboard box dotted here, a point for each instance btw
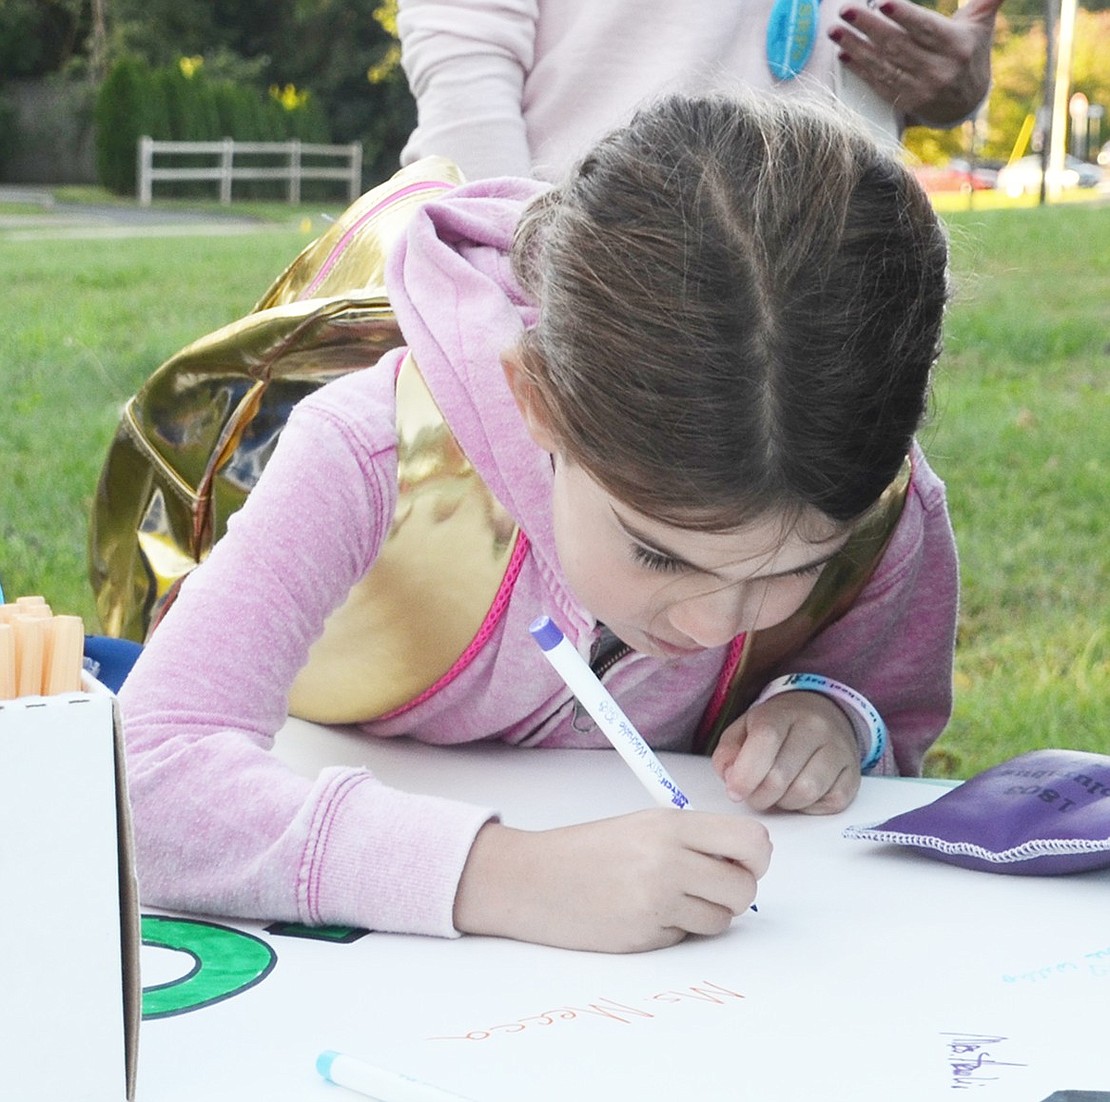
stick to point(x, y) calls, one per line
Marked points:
point(70, 995)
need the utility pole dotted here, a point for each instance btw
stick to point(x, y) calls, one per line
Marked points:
point(98, 52)
point(1060, 97)
point(1044, 119)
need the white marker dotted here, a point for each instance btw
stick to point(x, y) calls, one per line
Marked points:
point(386, 1086)
point(606, 713)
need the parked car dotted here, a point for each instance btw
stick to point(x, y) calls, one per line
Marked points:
point(956, 175)
point(1023, 177)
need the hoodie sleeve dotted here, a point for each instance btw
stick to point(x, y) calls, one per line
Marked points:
point(896, 644)
point(466, 61)
point(221, 824)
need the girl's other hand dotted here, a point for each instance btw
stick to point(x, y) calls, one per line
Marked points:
point(622, 885)
point(795, 751)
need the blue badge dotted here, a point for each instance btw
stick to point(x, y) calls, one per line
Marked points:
point(791, 33)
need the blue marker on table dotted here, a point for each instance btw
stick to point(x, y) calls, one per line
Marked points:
point(606, 713)
point(379, 1083)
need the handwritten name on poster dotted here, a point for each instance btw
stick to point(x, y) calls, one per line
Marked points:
point(606, 1009)
point(1092, 965)
point(972, 1060)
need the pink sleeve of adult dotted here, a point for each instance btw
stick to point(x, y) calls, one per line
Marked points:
point(896, 645)
point(221, 824)
point(466, 61)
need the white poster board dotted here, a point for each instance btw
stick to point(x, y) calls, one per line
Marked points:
point(868, 973)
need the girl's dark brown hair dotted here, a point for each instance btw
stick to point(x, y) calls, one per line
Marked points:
point(740, 305)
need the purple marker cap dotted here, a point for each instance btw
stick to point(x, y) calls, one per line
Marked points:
point(545, 633)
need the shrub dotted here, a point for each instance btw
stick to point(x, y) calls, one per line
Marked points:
point(8, 128)
point(130, 103)
point(308, 122)
point(191, 106)
point(179, 103)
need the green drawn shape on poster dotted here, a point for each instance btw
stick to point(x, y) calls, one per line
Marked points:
point(337, 935)
point(226, 962)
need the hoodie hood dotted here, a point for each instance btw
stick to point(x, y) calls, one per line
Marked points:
point(459, 306)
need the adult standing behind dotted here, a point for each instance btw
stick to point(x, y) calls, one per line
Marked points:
point(523, 87)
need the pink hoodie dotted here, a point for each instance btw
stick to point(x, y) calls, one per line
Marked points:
point(222, 826)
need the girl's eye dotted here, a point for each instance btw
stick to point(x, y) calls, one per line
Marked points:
point(652, 560)
point(808, 571)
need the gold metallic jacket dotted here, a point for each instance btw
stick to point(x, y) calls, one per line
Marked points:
point(193, 441)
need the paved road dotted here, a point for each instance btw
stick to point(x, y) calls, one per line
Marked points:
point(33, 214)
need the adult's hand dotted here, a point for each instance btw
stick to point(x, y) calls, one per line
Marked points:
point(933, 68)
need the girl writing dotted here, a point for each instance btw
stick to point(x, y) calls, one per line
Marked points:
point(671, 404)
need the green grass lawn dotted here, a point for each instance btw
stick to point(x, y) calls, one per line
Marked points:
point(1022, 436)
point(86, 321)
point(1020, 432)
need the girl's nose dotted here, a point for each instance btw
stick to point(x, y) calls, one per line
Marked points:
point(712, 619)
point(715, 618)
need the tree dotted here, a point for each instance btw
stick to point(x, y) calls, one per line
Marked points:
point(1019, 64)
point(38, 37)
point(1017, 86)
point(329, 48)
point(345, 52)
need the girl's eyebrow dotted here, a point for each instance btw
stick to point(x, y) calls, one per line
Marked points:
point(653, 545)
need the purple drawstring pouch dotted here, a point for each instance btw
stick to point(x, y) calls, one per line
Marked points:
point(1042, 813)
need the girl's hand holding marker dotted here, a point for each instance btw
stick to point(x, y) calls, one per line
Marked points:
point(639, 881)
point(619, 885)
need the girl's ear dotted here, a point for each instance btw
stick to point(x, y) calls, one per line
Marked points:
point(528, 401)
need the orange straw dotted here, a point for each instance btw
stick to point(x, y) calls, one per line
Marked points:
point(30, 641)
point(65, 644)
point(7, 662)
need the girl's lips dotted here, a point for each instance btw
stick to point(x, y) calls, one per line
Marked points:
point(671, 650)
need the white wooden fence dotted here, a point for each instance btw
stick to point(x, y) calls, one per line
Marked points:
point(289, 166)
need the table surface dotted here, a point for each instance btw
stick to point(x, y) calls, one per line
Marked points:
point(869, 972)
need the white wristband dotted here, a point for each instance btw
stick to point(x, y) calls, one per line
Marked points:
point(866, 722)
